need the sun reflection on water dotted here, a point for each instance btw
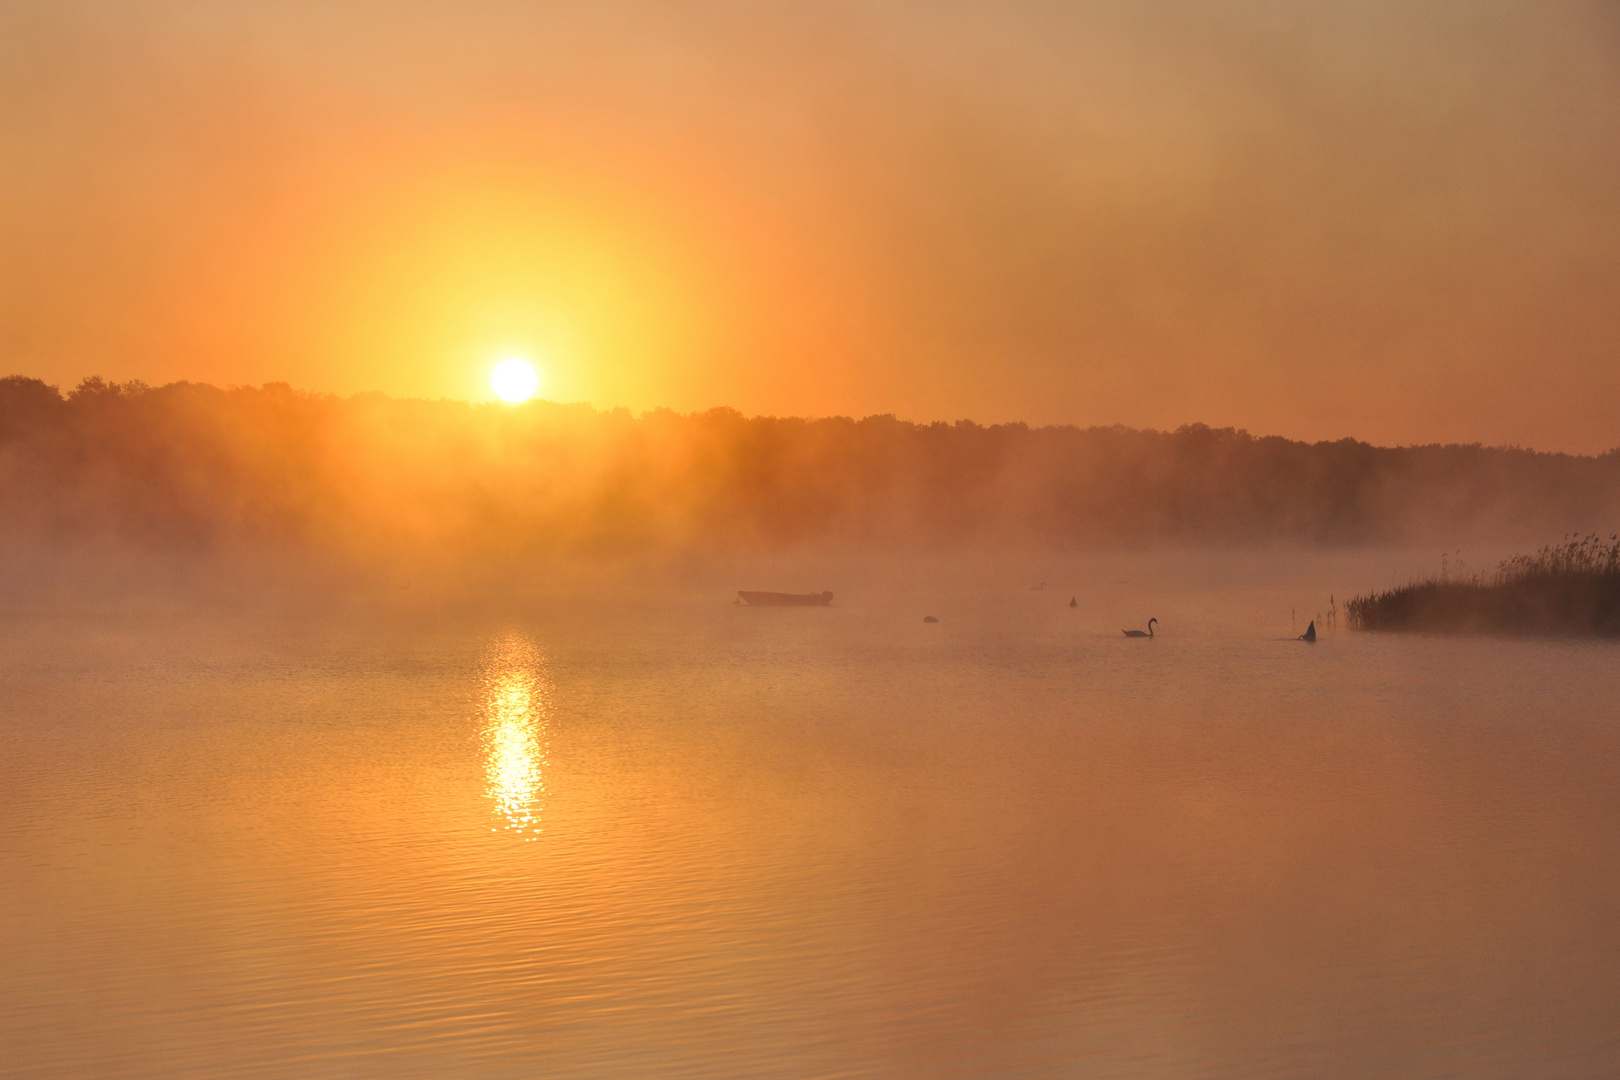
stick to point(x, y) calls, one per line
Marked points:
point(516, 704)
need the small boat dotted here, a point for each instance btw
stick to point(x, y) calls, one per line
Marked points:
point(783, 599)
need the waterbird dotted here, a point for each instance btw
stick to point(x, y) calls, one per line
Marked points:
point(1310, 633)
point(1142, 633)
point(929, 618)
point(1072, 602)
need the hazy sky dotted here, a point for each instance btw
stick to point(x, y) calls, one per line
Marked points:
point(1313, 218)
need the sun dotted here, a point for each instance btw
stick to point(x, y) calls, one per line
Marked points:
point(514, 380)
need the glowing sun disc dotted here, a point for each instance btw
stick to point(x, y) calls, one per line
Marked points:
point(514, 380)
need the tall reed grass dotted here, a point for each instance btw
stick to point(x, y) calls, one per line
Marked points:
point(1572, 588)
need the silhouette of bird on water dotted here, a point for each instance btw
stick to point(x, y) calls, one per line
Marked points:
point(1310, 633)
point(1072, 602)
point(1142, 633)
point(929, 618)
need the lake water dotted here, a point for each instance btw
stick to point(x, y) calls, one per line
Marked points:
point(646, 833)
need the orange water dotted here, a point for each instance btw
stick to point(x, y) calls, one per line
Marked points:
point(660, 835)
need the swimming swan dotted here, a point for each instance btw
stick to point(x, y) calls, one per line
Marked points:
point(1139, 633)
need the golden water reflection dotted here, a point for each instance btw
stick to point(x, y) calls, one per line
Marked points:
point(516, 713)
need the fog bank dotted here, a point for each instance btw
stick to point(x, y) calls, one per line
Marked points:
point(189, 470)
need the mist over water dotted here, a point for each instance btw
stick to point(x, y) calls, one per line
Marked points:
point(370, 737)
point(584, 829)
point(412, 734)
point(187, 472)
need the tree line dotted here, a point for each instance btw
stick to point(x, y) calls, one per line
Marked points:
point(192, 467)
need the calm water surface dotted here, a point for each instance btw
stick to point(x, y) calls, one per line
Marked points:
point(616, 836)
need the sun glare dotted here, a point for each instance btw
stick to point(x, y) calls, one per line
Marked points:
point(514, 380)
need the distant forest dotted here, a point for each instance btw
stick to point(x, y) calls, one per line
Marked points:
point(188, 467)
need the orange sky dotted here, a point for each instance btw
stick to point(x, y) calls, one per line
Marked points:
point(1314, 218)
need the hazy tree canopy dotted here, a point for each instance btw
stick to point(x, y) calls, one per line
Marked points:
point(188, 466)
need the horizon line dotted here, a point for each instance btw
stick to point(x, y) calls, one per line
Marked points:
point(90, 383)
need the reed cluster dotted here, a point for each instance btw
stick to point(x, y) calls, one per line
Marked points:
point(1571, 588)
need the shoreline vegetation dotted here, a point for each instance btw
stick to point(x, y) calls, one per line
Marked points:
point(187, 469)
point(1567, 589)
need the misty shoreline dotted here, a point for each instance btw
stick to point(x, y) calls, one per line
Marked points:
point(1565, 590)
point(188, 471)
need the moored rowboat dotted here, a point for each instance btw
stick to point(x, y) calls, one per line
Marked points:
point(783, 599)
